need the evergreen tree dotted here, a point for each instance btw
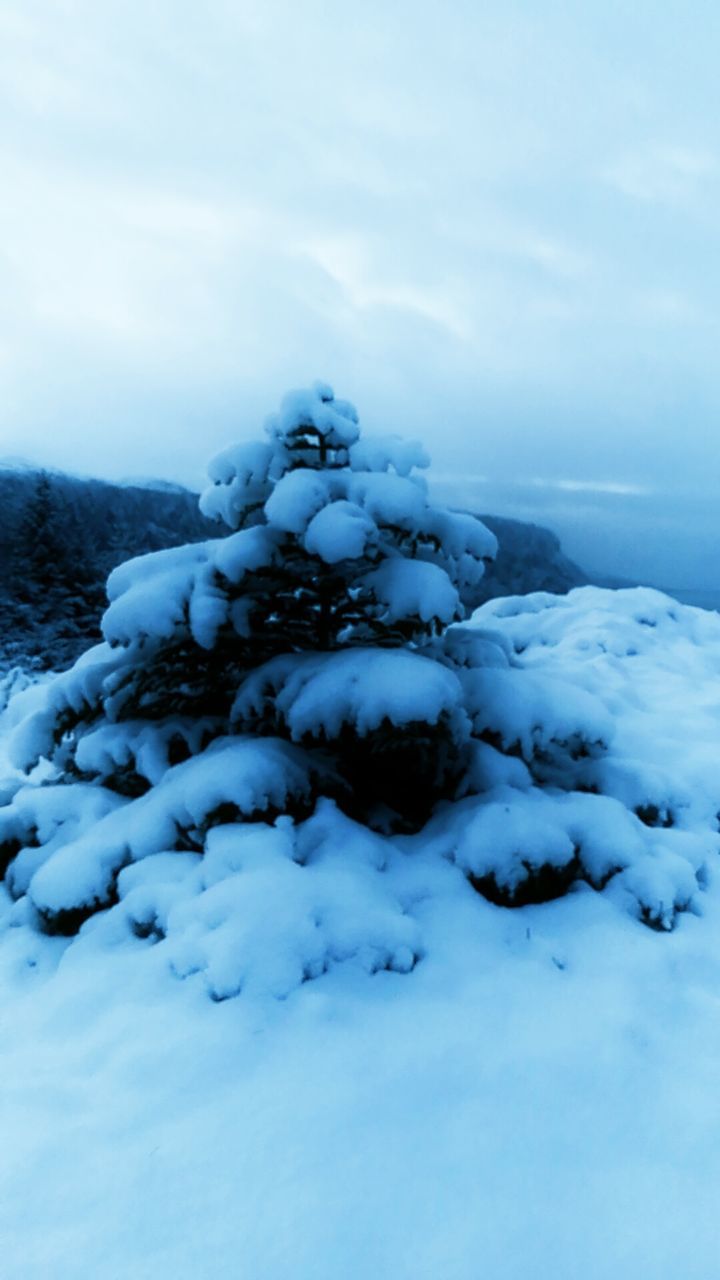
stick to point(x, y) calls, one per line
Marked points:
point(35, 542)
point(55, 581)
point(316, 622)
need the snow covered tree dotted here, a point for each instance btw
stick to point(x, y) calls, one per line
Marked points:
point(313, 625)
point(31, 561)
point(290, 737)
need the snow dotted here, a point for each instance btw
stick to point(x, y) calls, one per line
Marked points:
point(461, 1089)
point(296, 498)
point(144, 746)
point(41, 820)
point(248, 463)
point(398, 501)
point(463, 535)
point(514, 833)
point(532, 712)
point(248, 775)
point(538, 1094)
point(21, 694)
point(340, 531)
point(654, 666)
point(281, 921)
point(379, 453)
point(183, 589)
point(414, 587)
point(316, 695)
point(335, 420)
point(241, 482)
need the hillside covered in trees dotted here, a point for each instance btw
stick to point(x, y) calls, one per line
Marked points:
point(61, 536)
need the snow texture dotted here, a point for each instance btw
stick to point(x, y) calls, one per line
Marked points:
point(242, 775)
point(317, 695)
point(536, 1099)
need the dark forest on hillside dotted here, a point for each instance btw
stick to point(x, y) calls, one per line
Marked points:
point(59, 539)
point(61, 536)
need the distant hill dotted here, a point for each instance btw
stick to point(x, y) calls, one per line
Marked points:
point(530, 558)
point(149, 515)
point(60, 536)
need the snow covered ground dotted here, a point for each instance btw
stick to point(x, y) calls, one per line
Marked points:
point(538, 1097)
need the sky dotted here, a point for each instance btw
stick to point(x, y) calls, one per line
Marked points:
point(492, 225)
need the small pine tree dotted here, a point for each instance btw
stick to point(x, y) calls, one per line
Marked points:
point(113, 542)
point(56, 584)
point(33, 567)
point(316, 621)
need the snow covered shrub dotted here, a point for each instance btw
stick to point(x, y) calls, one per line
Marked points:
point(615, 778)
point(13, 682)
point(20, 689)
point(299, 656)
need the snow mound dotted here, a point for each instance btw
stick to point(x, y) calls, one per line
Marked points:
point(654, 666)
point(269, 907)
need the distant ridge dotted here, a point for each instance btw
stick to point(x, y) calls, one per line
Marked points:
point(152, 482)
point(113, 521)
point(691, 595)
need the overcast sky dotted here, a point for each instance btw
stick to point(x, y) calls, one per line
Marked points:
point(492, 225)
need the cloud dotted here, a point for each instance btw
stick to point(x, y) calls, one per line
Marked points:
point(663, 174)
point(489, 227)
point(456, 481)
point(616, 488)
point(347, 260)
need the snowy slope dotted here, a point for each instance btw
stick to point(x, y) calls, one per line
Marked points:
point(537, 1097)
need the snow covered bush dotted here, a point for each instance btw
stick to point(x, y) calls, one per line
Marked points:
point(245, 678)
point(292, 736)
point(615, 751)
point(20, 690)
